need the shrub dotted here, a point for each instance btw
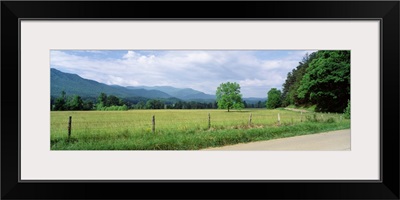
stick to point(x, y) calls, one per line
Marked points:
point(312, 118)
point(113, 108)
point(330, 120)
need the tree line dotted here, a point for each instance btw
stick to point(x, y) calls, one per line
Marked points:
point(65, 102)
point(111, 102)
point(75, 102)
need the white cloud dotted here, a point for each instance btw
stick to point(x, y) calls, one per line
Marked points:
point(130, 55)
point(253, 82)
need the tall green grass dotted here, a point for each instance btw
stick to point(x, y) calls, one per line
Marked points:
point(181, 129)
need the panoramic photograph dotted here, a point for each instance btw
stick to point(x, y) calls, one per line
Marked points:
point(211, 100)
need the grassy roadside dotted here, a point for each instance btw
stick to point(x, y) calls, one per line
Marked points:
point(307, 108)
point(195, 139)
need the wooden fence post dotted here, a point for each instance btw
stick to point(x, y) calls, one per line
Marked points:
point(69, 127)
point(251, 115)
point(209, 121)
point(279, 119)
point(154, 124)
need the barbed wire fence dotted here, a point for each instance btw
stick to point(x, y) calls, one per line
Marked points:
point(209, 121)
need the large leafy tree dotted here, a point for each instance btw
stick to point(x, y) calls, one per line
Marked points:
point(327, 81)
point(228, 96)
point(274, 98)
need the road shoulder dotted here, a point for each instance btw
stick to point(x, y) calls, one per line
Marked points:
point(339, 140)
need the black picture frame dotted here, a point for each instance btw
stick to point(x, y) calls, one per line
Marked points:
point(386, 11)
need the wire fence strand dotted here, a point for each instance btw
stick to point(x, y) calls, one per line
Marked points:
point(178, 122)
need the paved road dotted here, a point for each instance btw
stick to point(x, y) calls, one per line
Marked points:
point(329, 141)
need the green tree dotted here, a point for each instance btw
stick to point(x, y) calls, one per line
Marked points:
point(87, 105)
point(60, 102)
point(101, 101)
point(292, 83)
point(102, 98)
point(154, 104)
point(113, 101)
point(76, 103)
point(327, 81)
point(274, 99)
point(228, 96)
point(140, 105)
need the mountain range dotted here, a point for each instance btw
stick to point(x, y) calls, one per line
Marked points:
point(180, 93)
point(73, 84)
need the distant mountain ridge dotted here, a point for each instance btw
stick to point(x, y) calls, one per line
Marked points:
point(73, 84)
point(181, 93)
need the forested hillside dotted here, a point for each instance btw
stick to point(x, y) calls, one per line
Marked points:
point(76, 85)
point(322, 79)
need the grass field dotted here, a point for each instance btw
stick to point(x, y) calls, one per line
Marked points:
point(181, 129)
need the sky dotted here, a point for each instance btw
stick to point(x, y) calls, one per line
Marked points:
point(204, 70)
